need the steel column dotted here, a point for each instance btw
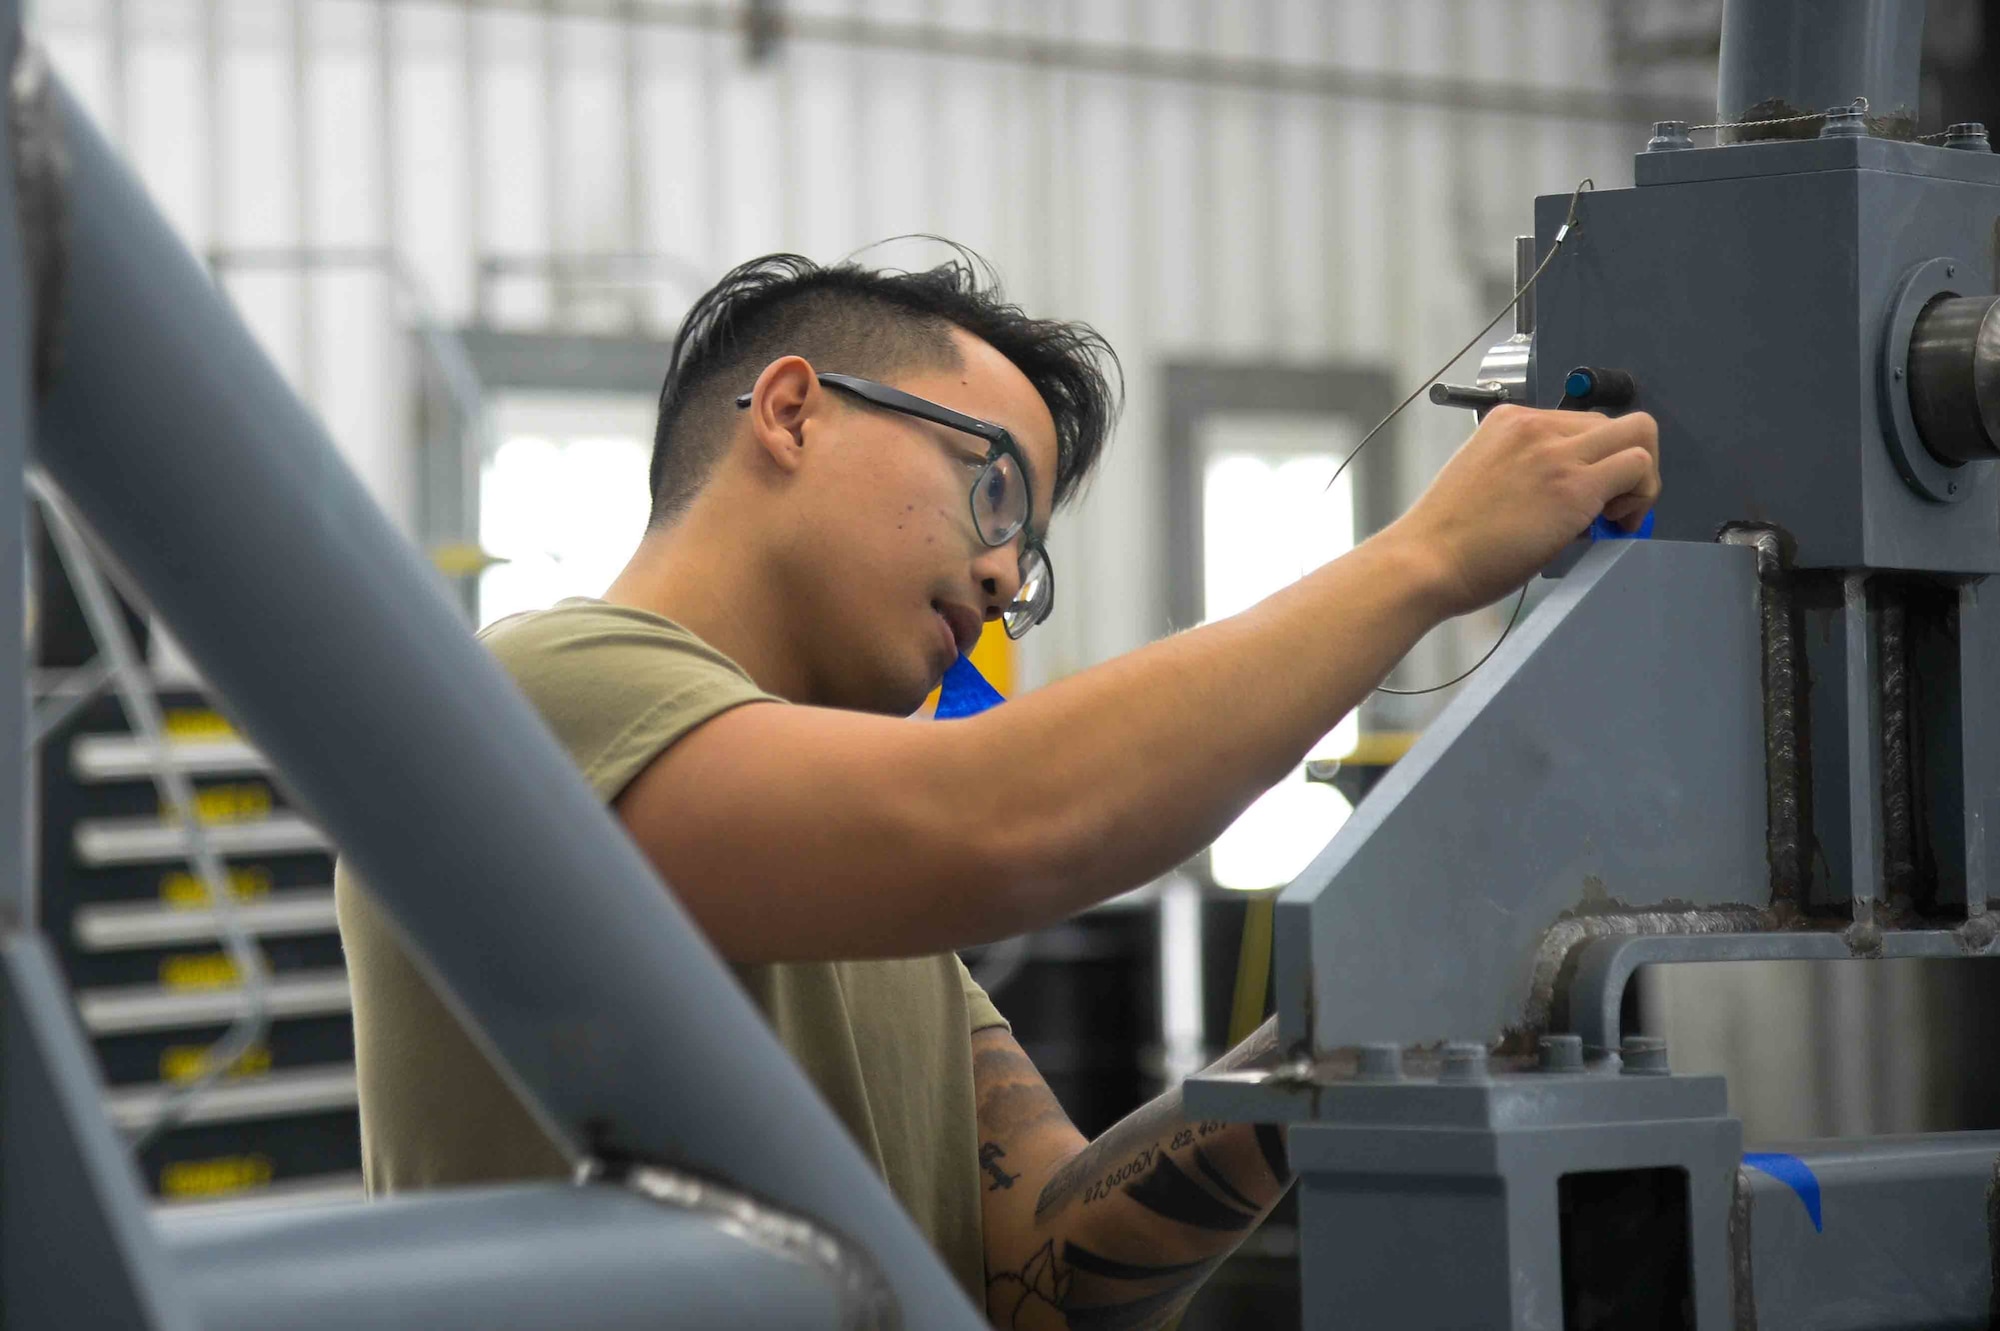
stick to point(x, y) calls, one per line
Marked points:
point(345, 659)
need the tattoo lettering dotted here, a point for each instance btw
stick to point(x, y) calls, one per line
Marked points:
point(1185, 1137)
point(1131, 1169)
point(990, 1155)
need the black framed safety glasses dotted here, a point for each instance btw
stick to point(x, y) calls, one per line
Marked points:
point(1002, 495)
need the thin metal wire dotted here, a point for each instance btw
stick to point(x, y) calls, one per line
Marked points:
point(1520, 599)
point(1562, 234)
point(176, 792)
point(1858, 104)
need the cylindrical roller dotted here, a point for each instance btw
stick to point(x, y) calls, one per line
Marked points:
point(1783, 59)
point(1955, 377)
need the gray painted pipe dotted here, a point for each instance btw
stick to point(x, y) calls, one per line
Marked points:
point(1786, 58)
point(343, 655)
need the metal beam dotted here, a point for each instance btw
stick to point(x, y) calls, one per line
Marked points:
point(1201, 68)
point(347, 663)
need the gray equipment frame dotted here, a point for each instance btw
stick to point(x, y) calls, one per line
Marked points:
point(1769, 733)
point(147, 402)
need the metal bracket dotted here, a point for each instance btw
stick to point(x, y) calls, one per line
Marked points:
point(1605, 965)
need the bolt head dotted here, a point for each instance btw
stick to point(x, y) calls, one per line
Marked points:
point(1383, 1062)
point(1463, 1062)
point(1644, 1056)
point(1899, 371)
point(1561, 1053)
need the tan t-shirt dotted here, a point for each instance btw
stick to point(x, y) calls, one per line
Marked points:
point(886, 1042)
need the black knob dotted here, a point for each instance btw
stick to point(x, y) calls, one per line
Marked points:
point(1588, 387)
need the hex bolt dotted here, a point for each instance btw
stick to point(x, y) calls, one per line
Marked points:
point(1561, 1053)
point(1463, 1062)
point(1844, 122)
point(1669, 136)
point(1381, 1062)
point(1968, 136)
point(1644, 1056)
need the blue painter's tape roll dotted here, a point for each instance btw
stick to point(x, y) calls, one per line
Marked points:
point(1603, 529)
point(965, 692)
point(1795, 1174)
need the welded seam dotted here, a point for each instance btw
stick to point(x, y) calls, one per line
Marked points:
point(1742, 1282)
point(1785, 760)
point(864, 1297)
point(1899, 868)
point(1556, 958)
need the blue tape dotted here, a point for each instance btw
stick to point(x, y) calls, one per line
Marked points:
point(1604, 529)
point(965, 692)
point(1795, 1174)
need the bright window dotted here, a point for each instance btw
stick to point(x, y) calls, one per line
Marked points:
point(1267, 518)
point(562, 499)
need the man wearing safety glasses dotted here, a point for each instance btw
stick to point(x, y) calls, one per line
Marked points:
point(854, 471)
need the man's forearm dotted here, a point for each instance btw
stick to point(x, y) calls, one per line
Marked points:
point(1125, 1230)
point(1162, 748)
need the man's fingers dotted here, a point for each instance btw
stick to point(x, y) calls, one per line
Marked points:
point(1612, 437)
point(1630, 480)
point(1564, 423)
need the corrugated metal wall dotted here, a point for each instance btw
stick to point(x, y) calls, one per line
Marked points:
point(1269, 180)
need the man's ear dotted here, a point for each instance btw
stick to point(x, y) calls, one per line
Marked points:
point(785, 397)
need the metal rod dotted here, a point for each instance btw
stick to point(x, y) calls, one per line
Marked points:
point(175, 791)
point(1252, 74)
point(302, 198)
point(1864, 743)
point(18, 353)
point(346, 661)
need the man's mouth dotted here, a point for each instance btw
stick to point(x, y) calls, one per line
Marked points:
point(961, 621)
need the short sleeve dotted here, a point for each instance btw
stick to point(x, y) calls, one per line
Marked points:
point(617, 685)
point(977, 1005)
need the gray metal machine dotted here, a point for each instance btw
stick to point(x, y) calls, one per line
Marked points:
point(1770, 731)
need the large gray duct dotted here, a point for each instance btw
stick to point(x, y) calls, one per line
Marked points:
point(1784, 59)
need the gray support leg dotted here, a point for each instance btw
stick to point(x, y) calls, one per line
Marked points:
point(17, 879)
point(1864, 748)
point(1979, 665)
point(77, 1246)
point(349, 665)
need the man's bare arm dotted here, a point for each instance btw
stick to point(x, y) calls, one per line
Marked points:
point(866, 836)
point(1119, 1232)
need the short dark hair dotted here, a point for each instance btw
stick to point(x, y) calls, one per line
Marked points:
point(871, 322)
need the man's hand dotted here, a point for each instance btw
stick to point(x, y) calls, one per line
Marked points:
point(1521, 488)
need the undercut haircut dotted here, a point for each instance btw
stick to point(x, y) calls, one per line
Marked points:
point(873, 323)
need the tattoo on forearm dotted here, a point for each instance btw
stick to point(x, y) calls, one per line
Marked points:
point(1271, 1141)
point(1087, 1289)
point(1170, 1193)
point(990, 1155)
point(1220, 1183)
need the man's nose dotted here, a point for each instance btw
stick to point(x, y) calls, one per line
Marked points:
point(999, 572)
